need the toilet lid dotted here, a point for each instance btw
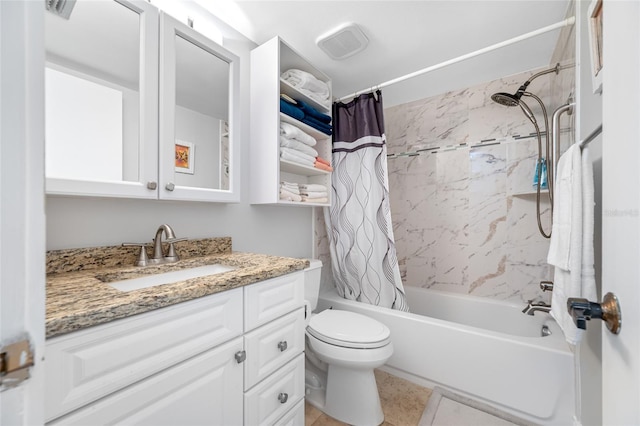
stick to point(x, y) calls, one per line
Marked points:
point(348, 329)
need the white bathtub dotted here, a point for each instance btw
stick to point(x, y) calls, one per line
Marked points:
point(483, 349)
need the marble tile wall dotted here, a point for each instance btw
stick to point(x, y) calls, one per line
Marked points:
point(464, 214)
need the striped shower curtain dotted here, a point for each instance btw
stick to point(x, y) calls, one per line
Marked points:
point(363, 254)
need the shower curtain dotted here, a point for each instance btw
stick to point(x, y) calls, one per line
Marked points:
point(359, 229)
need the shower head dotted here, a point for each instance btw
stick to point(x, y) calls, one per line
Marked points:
point(510, 100)
point(506, 99)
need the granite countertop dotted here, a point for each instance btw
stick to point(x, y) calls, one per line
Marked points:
point(78, 297)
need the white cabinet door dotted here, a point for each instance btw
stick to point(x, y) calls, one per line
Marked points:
point(273, 345)
point(90, 364)
point(206, 389)
point(271, 299)
point(128, 164)
point(295, 417)
point(199, 89)
point(272, 398)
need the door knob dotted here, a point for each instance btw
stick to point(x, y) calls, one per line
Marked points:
point(170, 186)
point(582, 310)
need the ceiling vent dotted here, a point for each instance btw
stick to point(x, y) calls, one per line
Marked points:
point(344, 41)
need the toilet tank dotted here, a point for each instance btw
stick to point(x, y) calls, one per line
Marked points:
point(312, 282)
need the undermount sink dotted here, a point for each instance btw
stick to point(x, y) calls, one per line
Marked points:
point(167, 277)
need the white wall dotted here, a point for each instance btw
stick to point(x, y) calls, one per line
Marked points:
point(203, 131)
point(87, 222)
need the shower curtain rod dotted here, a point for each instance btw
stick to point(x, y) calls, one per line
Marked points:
point(561, 24)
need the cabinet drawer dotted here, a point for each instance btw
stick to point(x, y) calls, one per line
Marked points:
point(205, 390)
point(295, 417)
point(273, 345)
point(265, 403)
point(270, 299)
point(90, 364)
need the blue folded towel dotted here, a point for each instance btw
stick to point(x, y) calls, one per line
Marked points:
point(297, 113)
point(311, 111)
point(291, 110)
point(324, 128)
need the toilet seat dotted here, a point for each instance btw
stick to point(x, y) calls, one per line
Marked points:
point(348, 330)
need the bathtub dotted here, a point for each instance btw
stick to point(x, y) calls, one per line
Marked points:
point(483, 349)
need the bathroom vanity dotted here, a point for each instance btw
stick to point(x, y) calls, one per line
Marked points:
point(225, 349)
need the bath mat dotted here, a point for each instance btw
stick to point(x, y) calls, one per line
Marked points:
point(446, 408)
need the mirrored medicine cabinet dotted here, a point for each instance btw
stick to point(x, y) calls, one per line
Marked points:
point(138, 105)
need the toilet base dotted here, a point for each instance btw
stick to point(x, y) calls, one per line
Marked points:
point(352, 396)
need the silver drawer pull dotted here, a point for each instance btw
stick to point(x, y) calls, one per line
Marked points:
point(283, 397)
point(241, 356)
point(282, 346)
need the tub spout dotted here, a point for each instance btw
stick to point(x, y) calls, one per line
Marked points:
point(532, 308)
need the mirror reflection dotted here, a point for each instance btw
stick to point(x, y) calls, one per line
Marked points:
point(92, 97)
point(95, 94)
point(201, 117)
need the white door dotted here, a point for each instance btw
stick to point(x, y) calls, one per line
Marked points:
point(22, 220)
point(621, 209)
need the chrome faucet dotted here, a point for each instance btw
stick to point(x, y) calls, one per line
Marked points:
point(532, 308)
point(158, 253)
point(171, 255)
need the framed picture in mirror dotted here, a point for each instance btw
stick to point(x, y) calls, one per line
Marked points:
point(595, 40)
point(185, 157)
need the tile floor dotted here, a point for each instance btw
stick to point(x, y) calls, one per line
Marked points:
point(403, 403)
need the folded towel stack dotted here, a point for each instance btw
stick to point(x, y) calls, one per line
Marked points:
point(309, 85)
point(296, 156)
point(292, 132)
point(306, 193)
point(314, 193)
point(296, 145)
point(322, 164)
point(289, 191)
point(307, 114)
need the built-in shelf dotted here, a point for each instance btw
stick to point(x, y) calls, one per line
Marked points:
point(268, 62)
point(528, 193)
point(294, 93)
point(299, 169)
point(317, 134)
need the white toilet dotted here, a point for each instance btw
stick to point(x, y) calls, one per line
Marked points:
point(342, 350)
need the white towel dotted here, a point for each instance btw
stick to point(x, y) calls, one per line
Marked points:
point(289, 196)
point(290, 184)
point(290, 187)
point(319, 98)
point(297, 156)
point(588, 204)
point(297, 145)
point(314, 194)
point(312, 187)
point(293, 132)
point(315, 200)
point(571, 246)
point(303, 80)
